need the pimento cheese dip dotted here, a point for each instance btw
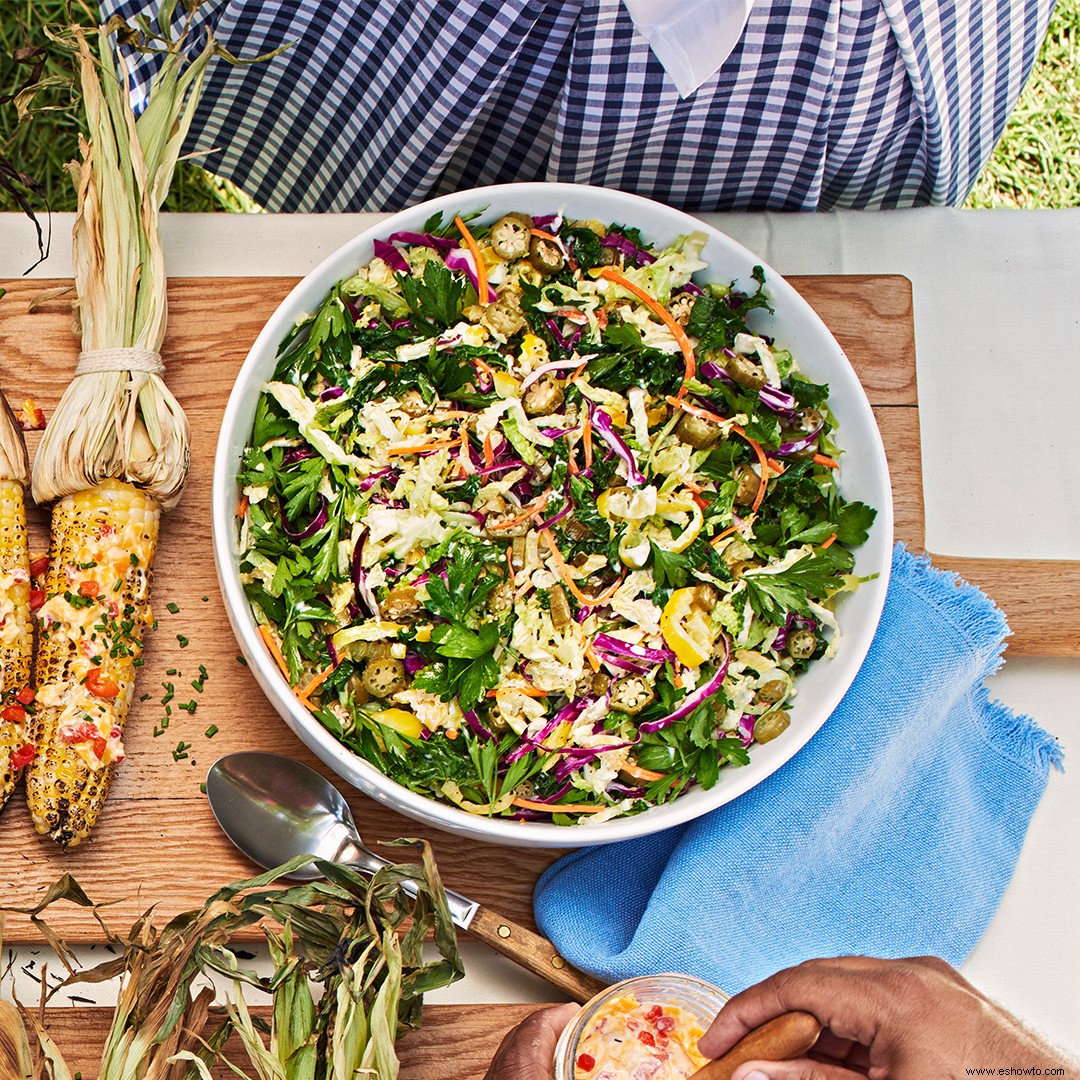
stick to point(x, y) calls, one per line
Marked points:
point(630, 1039)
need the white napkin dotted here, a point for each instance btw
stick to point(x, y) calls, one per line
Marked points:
point(691, 38)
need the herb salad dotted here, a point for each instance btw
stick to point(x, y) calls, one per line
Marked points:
point(537, 525)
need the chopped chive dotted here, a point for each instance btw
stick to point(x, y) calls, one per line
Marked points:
point(205, 599)
point(134, 559)
point(144, 697)
point(211, 731)
point(170, 693)
point(189, 706)
point(119, 585)
point(183, 641)
point(164, 722)
point(174, 608)
point(241, 660)
point(197, 684)
point(181, 750)
point(172, 671)
point(202, 787)
point(158, 731)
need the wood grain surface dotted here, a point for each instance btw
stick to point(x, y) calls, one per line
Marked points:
point(157, 842)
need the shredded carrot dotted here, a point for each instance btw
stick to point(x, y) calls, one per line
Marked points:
point(697, 489)
point(489, 449)
point(665, 317)
point(528, 691)
point(481, 269)
point(701, 501)
point(510, 561)
point(586, 437)
point(720, 536)
point(763, 461)
point(544, 235)
point(439, 444)
point(465, 458)
point(484, 369)
point(305, 694)
point(638, 773)
point(534, 507)
point(828, 462)
point(828, 543)
point(241, 506)
point(571, 584)
point(556, 808)
point(776, 466)
point(590, 655)
point(695, 410)
point(275, 650)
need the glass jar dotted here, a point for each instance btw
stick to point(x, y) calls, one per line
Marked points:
point(637, 1021)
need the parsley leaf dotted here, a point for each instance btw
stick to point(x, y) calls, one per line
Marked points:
point(811, 578)
point(437, 299)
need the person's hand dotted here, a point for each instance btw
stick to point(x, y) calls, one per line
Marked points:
point(883, 1019)
point(527, 1051)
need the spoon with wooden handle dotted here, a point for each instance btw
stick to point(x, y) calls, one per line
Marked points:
point(788, 1036)
point(274, 808)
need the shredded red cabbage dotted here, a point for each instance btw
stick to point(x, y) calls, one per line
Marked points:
point(459, 259)
point(478, 728)
point(415, 239)
point(359, 575)
point(605, 428)
point(391, 256)
point(607, 643)
point(317, 522)
point(796, 445)
point(628, 250)
point(692, 701)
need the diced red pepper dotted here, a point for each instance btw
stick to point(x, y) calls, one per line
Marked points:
point(37, 598)
point(665, 1023)
point(585, 1062)
point(654, 1014)
point(84, 731)
point(23, 756)
point(98, 685)
point(89, 588)
point(13, 714)
point(26, 695)
point(647, 1038)
point(39, 566)
point(99, 745)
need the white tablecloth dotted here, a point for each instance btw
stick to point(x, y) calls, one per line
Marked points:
point(997, 323)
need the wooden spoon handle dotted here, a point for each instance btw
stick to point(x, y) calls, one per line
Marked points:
point(533, 952)
point(788, 1036)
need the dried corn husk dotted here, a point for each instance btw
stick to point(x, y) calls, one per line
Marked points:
point(123, 424)
point(14, 464)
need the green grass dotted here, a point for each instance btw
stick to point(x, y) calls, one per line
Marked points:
point(1036, 163)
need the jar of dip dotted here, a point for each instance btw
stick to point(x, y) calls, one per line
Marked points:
point(640, 1029)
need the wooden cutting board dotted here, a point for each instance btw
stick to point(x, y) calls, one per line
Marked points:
point(157, 842)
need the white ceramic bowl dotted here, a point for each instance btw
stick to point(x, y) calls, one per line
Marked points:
point(795, 326)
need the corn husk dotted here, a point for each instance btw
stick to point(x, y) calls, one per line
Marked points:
point(122, 424)
point(349, 976)
point(14, 464)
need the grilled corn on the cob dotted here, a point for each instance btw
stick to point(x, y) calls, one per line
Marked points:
point(16, 632)
point(97, 604)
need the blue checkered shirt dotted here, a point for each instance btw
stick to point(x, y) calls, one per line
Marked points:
point(823, 103)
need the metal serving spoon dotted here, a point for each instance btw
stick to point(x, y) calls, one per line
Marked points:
point(273, 808)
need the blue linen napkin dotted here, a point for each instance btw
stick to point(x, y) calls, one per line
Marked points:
point(893, 832)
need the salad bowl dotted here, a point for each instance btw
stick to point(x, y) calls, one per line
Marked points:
point(792, 326)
